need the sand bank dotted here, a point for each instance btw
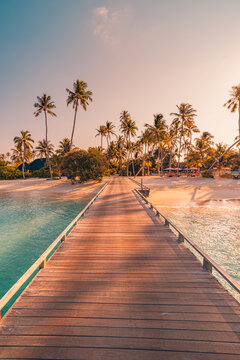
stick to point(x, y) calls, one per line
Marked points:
point(184, 190)
point(62, 187)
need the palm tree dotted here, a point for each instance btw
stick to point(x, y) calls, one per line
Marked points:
point(64, 146)
point(45, 105)
point(120, 152)
point(144, 142)
point(220, 151)
point(101, 132)
point(185, 113)
point(109, 131)
point(16, 156)
point(8, 156)
point(190, 128)
point(173, 135)
point(133, 147)
point(233, 103)
point(23, 146)
point(203, 146)
point(42, 148)
point(128, 128)
point(80, 96)
point(158, 131)
point(146, 139)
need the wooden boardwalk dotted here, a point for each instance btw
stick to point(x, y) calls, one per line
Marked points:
point(120, 287)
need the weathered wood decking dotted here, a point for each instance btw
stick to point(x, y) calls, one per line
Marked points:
point(121, 287)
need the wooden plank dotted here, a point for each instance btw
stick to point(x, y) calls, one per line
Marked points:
point(67, 353)
point(122, 342)
point(180, 334)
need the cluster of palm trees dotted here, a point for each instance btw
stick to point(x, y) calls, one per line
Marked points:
point(156, 143)
point(79, 96)
point(24, 152)
point(161, 145)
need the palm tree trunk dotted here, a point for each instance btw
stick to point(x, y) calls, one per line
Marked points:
point(23, 164)
point(48, 160)
point(239, 119)
point(161, 163)
point(158, 164)
point(128, 145)
point(187, 160)
point(108, 156)
point(148, 159)
point(179, 151)
point(170, 159)
point(120, 164)
point(143, 161)
point(133, 164)
point(73, 129)
point(101, 141)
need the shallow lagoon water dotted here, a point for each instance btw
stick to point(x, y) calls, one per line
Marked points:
point(215, 227)
point(29, 223)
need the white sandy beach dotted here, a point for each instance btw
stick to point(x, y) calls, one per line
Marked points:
point(164, 191)
point(62, 187)
point(185, 190)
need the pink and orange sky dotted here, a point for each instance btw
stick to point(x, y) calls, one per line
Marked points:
point(137, 55)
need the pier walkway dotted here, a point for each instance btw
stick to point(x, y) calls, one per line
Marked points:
point(121, 288)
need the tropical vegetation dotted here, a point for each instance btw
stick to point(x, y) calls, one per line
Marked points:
point(173, 143)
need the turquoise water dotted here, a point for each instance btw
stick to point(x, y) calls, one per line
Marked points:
point(28, 225)
point(215, 227)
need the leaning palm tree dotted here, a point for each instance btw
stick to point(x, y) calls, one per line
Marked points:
point(233, 103)
point(42, 146)
point(101, 132)
point(185, 113)
point(23, 146)
point(79, 96)
point(45, 105)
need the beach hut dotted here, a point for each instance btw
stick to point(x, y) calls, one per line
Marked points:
point(172, 171)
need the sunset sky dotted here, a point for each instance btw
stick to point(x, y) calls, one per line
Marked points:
point(144, 56)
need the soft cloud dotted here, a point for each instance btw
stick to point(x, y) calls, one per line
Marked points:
point(101, 12)
point(105, 23)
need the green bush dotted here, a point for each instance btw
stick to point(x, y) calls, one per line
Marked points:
point(207, 174)
point(85, 165)
point(44, 173)
point(9, 173)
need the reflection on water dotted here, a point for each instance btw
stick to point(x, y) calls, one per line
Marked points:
point(28, 225)
point(215, 227)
